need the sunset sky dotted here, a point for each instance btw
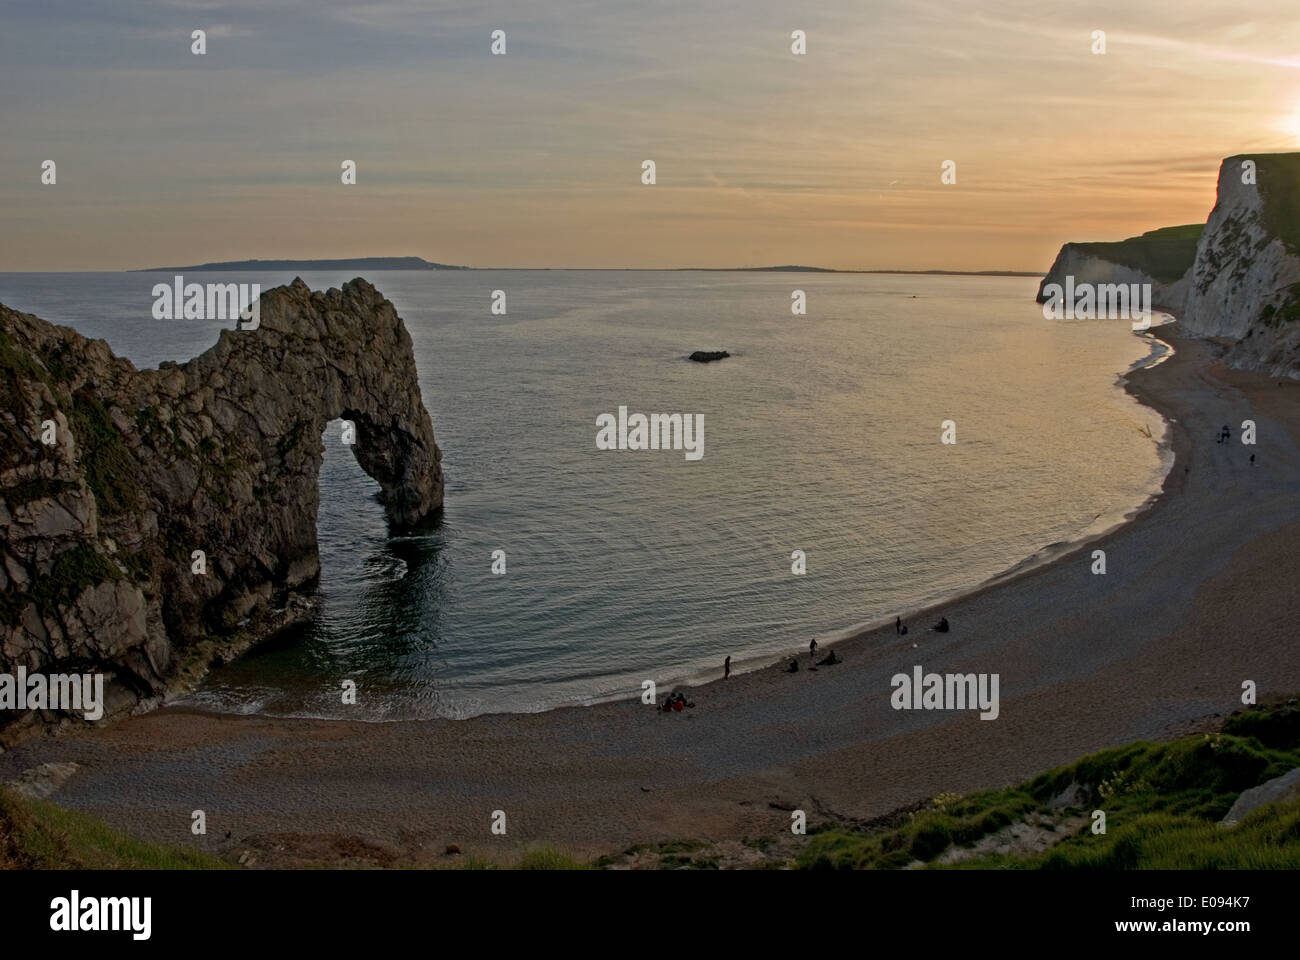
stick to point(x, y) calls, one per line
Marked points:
point(534, 158)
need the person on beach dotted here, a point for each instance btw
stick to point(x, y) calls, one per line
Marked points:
point(898, 626)
point(726, 668)
point(829, 660)
point(942, 625)
point(812, 648)
point(793, 666)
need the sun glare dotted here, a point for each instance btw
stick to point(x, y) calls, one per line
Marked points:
point(1291, 123)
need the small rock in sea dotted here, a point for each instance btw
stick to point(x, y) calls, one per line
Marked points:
point(452, 850)
point(708, 356)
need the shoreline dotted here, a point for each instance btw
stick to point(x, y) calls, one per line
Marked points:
point(857, 632)
point(743, 665)
point(1198, 596)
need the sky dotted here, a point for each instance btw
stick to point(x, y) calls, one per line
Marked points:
point(534, 159)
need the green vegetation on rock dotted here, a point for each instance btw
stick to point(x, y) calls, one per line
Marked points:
point(1278, 178)
point(1163, 803)
point(110, 468)
point(35, 835)
point(1286, 310)
point(71, 572)
point(1165, 254)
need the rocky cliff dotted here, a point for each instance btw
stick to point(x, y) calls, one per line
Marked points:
point(1238, 277)
point(100, 530)
point(1245, 282)
point(1158, 257)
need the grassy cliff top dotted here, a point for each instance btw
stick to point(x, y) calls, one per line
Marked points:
point(1278, 177)
point(1164, 254)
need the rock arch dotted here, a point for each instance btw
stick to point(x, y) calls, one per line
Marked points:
point(220, 454)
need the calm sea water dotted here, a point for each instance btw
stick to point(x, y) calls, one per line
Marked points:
point(821, 434)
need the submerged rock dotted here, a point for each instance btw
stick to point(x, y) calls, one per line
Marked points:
point(708, 356)
point(100, 531)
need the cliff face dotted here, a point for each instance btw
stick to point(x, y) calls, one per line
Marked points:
point(1243, 284)
point(220, 454)
point(1239, 279)
point(1158, 257)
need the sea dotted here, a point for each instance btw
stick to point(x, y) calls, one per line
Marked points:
point(825, 498)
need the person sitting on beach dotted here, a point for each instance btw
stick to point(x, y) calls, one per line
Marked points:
point(829, 660)
point(792, 666)
point(942, 625)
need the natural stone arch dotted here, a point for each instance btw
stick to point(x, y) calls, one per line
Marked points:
point(220, 454)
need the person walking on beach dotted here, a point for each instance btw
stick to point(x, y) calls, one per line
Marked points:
point(812, 648)
point(726, 668)
point(898, 625)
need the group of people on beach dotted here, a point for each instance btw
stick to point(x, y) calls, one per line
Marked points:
point(676, 703)
point(792, 665)
point(900, 627)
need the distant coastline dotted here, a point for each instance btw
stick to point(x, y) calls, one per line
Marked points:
point(360, 263)
point(419, 263)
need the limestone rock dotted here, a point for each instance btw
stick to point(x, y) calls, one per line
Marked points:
point(1278, 790)
point(1243, 282)
point(219, 454)
point(40, 783)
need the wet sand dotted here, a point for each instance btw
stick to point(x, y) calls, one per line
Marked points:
point(1199, 596)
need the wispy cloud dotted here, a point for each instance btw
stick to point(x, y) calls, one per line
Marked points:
point(833, 157)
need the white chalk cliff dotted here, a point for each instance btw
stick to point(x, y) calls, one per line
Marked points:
point(1243, 281)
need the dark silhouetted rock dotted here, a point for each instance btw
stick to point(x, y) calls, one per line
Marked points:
point(221, 454)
